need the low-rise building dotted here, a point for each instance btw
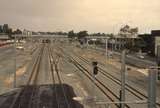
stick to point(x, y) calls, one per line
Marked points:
point(152, 41)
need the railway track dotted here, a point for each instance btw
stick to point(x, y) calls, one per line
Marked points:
point(62, 94)
point(54, 88)
point(129, 88)
point(61, 98)
point(102, 87)
point(37, 95)
point(68, 93)
point(25, 98)
point(33, 51)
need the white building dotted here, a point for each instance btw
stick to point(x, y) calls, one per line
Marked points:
point(27, 32)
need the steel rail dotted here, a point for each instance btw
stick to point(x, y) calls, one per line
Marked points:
point(53, 78)
point(21, 98)
point(132, 90)
point(88, 74)
point(59, 79)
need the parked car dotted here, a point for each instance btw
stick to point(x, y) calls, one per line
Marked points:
point(20, 47)
point(141, 56)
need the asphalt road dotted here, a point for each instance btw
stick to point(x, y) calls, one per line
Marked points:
point(132, 59)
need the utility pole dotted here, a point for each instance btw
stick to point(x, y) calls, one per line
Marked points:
point(123, 70)
point(158, 63)
point(95, 44)
point(112, 45)
point(107, 48)
point(152, 88)
point(152, 82)
point(14, 82)
point(87, 43)
point(115, 47)
point(153, 76)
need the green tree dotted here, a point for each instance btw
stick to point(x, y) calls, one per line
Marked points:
point(82, 34)
point(9, 32)
point(71, 34)
point(110, 35)
point(18, 31)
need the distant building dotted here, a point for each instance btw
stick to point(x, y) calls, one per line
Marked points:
point(1, 29)
point(125, 39)
point(155, 33)
point(149, 43)
point(5, 28)
point(152, 41)
point(27, 32)
point(3, 37)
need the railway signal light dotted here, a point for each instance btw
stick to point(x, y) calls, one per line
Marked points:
point(95, 72)
point(95, 68)
point(94, 63)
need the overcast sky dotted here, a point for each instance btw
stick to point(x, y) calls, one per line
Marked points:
point(92, 15)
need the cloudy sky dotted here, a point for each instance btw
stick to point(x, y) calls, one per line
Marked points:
point(92, 15)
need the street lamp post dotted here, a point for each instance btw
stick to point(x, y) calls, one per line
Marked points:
point(107, 48)
point(115, 47)
point(123, 71)
point(152, 88)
